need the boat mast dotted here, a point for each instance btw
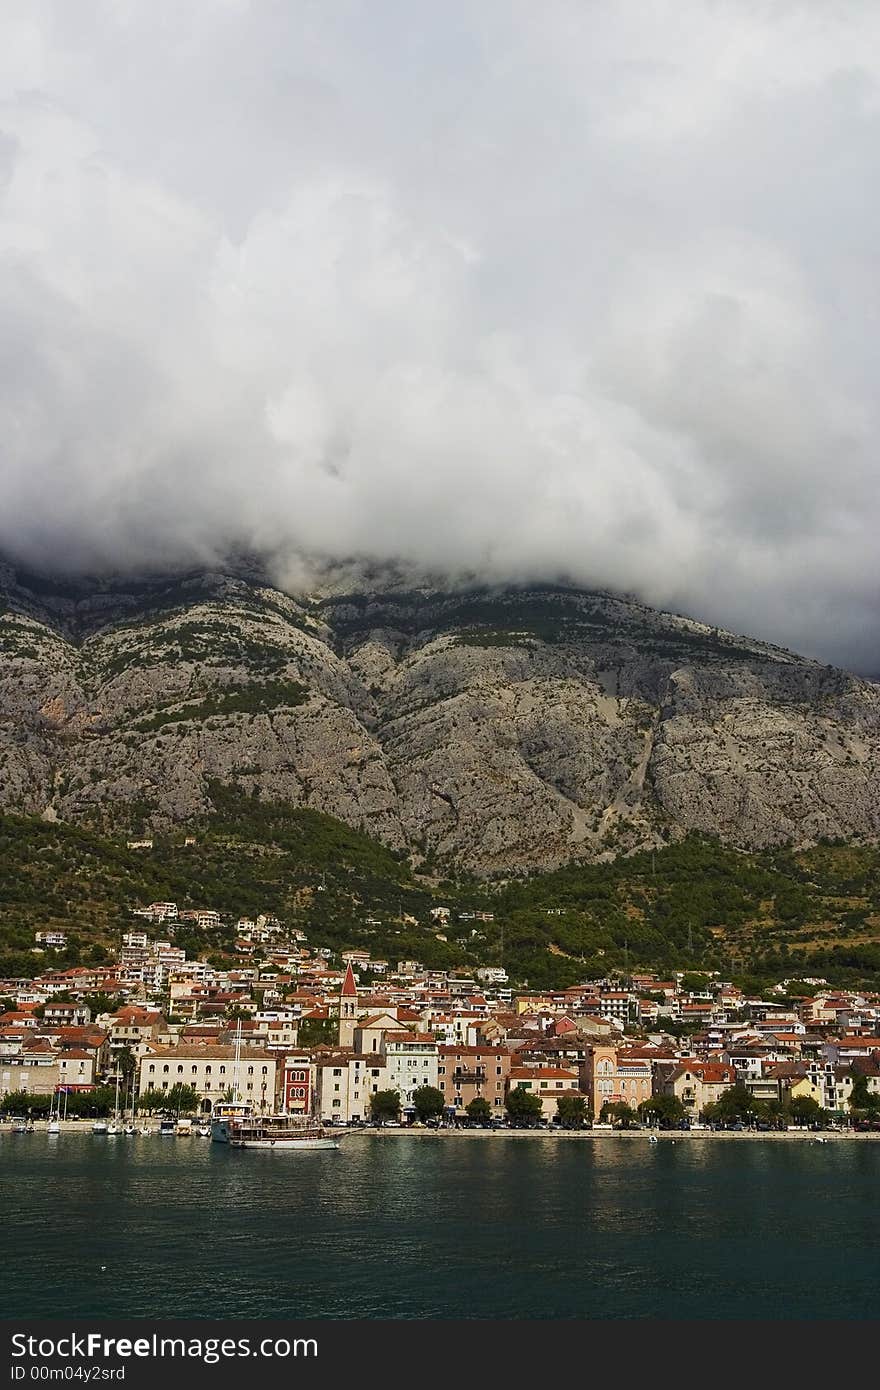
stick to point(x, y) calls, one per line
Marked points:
point(235, 1092)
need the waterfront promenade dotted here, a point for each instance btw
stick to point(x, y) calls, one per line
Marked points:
point(595, 1135)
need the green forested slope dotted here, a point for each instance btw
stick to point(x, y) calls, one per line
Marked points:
point(694, 904)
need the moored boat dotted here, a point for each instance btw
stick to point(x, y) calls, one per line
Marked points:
point(282, 1133)
point(226, 1116)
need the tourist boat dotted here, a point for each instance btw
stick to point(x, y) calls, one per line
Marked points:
point(168, 1127)
point(283, 1133)
point(226, 1116)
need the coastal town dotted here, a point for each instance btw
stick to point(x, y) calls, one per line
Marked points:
point(350, 1040)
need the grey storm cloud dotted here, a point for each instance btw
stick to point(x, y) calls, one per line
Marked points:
point(520, 290)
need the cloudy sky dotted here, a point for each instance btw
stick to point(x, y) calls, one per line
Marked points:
point(531, 290)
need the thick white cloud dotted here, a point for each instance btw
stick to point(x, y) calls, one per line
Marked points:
point(575, 288)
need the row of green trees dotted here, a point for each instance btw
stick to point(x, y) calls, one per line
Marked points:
point(521, 1106)
point(736, 1104)
point(100, 1102)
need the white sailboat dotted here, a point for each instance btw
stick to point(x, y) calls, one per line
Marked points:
point(54, 1125)
point(131, 1127)
point(115, 1127)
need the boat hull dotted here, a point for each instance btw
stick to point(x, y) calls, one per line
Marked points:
point(284, 1145)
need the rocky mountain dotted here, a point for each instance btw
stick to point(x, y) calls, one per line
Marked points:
point(498, 728)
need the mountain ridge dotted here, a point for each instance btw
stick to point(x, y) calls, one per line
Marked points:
point(499, 728)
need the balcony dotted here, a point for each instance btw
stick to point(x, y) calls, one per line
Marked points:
point(469, 1078)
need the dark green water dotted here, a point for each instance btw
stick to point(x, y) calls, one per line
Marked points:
point(446, 1227)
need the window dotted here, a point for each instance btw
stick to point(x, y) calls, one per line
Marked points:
point(152, 1068)
point(222, 1071)
point(208, 1069)
point(180, 1069)
point(165, 1068)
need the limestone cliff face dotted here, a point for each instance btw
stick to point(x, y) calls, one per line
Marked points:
point(499, 728)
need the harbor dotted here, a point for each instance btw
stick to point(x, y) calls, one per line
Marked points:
point(525, 1225)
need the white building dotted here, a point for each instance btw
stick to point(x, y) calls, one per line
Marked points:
point(410, 1063)
point(212, 1071)
point(344, 1083)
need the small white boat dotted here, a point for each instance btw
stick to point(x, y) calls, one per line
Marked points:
point(100, 1127)
point(652, 1139)
point(19, 1127)
point(145, 1129)
point(53, 1127)
point(130, 1129)
point(204, 1131)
